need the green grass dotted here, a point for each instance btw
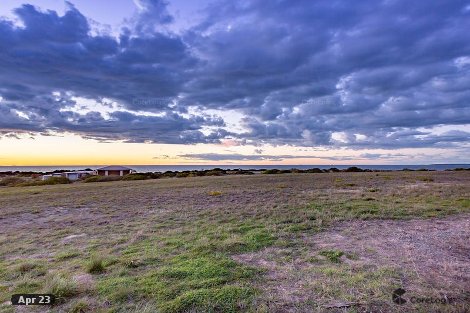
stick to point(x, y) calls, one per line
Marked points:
point(332, 255)
point(66, 255)
point(61, 287)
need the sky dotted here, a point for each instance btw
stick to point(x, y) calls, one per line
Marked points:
point(234, 82)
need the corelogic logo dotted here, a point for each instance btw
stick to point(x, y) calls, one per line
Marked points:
point(397, 296)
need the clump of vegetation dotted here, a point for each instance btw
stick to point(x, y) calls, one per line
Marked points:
point(11, 181)
point(95, 179)
point(80, 306)
point(215, 193)
point(272, 171)
point(136, 177)
point(65, 255)
point(426, 179)
point(355, 169)
point(95, 265)
point(61, 287)
point(29, 268)
point(49, 181)
point(332, 255)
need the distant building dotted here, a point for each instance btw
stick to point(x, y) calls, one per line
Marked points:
point(75, 175)
point(114, 171)
point(78, 174)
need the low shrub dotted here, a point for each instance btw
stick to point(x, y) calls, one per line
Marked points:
point(354, 169)
point(49, 181)
point(12, 181)
point(314, 170)
point(99, 179)
point(136, 177)
point(273, 171)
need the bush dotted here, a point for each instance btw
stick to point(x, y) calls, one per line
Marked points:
point(314, 170)
point(11, 181)
point(273, 171)
point(215, 172)
point(95, 179)
point(136, 177)
point(54, 181)
point(354, 169)
point(49, 181)
point(182, 174)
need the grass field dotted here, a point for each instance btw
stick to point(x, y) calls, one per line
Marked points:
point(336, 242)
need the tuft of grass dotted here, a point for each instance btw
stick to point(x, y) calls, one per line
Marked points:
point(61, 287)
point(425, 179)
point(33, 269)
point(332, 255)
point(80, 306)
point(26, 267)
point(66, 255)
point(95, 265)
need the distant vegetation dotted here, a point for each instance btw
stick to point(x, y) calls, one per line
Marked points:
point(15, 179)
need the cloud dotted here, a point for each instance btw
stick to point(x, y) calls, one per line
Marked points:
point(267, 157)
point(369, 74)
point(377, 70)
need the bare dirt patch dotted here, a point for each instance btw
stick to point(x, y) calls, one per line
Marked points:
point(426, 257)
point(437, 250)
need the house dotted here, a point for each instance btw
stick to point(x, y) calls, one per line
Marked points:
point(114, 171)
point(75, 175)
point(78, 174)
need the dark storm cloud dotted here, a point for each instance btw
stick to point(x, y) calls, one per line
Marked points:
point(304, 70)
point(51, 53)
point(335, 73)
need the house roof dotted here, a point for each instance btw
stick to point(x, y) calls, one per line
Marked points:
point(114, 168)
